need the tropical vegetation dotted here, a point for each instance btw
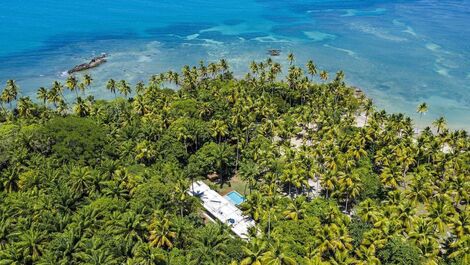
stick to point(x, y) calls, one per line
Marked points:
point(88, 181)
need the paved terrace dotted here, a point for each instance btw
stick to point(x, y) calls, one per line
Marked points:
point(219, 207)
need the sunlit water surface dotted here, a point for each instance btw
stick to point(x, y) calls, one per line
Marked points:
point(400, 53)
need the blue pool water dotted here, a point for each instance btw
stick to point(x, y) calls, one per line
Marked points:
point(235, 197)
point(399, 52)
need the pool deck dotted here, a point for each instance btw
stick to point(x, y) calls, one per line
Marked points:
point(222, 209)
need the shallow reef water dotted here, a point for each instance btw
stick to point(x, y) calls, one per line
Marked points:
point(400, 53)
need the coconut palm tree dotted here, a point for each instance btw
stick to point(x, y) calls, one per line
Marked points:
point(42, 94)
point(72, 84)
point(276, 255)
point(124, 88)
point(10, 179)
point(440, 124)
point(253, 205)
point(111, 86)
point(10, 92)
point(290, 58)
point(54, 95)
point(25, 107)
point(81, 108)
point(219, 130)
point(311, 68)
point(295, 209)
point(254, 251)
point(324, 75)
point(81, 179)
point(130, 227)
point(210, 245)
point(351, 185)
point(139, 87)
point(223, 65)
point(31, 245)
point(249, 171)
point(161, 231)
point(87, 80)
point(422, 108)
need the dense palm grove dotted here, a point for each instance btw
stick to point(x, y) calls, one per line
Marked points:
point(105, 182)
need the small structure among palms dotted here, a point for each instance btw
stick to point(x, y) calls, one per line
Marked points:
point(220, 208)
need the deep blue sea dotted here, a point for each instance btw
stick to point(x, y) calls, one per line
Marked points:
point(400, 53)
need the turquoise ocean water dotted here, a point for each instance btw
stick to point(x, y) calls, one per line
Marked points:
point(400, 53)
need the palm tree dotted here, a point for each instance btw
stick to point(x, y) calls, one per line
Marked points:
point(161, 232)
point(140, 87)
point(25, 107)
point(124, 88)
point(249, 171)
point(10, 92)
point(223, 65)
point(324, 75)
point(290, 58)
point(296, 209)
point(219, 129)
point(10, 179)
point(111, 86)
point(31, 244)
point(253, 206)
point(368, 108)
point(42, 94)
point(130, 227)
point(210, 245)
point(87, 79)
point(81, 108)
point(71, 83)
point(440, 124)
point(212, 68)
point(311, 68)
point(54, 95)
point(351, 185)
point(81, 179)
point(422, 108)
point(253, 253)
point(277, 255)
point(94, 251)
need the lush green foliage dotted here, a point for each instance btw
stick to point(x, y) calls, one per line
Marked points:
point(105, 182)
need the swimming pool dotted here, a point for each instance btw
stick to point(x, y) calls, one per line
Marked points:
point(235, 197)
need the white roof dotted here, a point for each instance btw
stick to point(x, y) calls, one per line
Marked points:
point(222, 209)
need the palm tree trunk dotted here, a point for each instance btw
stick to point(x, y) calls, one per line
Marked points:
point(269, 224)
point(236, 158)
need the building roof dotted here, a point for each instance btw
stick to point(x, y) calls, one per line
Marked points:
point(222, 209)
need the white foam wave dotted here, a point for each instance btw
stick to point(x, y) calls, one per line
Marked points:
point(349, 52)
point(213, 42)
point(397, 22)
point(442, 70)
point(192, 36)
point(144, 59)
point(355, 12)
point(407, 29)
point(269, 39)
point(378, 32)
point(410, 31)
point(433, 47)
point(319, 36)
